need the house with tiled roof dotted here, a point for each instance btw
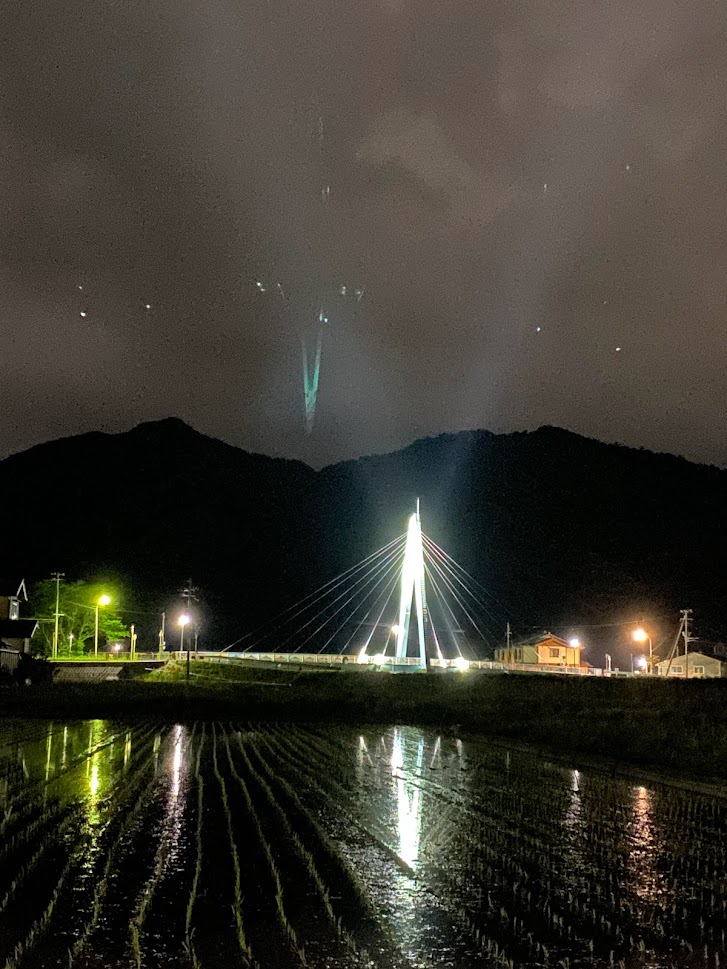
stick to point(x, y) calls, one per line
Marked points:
point(542, 650)
point(15, 633)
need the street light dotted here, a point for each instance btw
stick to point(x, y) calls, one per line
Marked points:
point(640, 635)
point(102, 601)
point(183, 621)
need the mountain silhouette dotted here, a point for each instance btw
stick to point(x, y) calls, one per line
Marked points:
point(559, 530)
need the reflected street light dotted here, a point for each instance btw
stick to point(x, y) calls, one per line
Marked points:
point(640, 635)
point(103, 600)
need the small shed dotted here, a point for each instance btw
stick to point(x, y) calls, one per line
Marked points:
point(17, 633)
point(697, 666)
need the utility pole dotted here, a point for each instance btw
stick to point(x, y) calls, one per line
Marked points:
point(162, 642)
point(686, 619)
point(190, 593)
point(132, 644)
point(57, 576)
point(507, 634)
point(682, 632)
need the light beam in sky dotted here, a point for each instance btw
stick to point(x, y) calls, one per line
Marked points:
point(311, 379)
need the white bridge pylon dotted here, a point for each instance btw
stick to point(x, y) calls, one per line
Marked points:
point(413, 591)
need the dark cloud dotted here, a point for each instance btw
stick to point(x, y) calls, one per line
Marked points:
point(492, 170)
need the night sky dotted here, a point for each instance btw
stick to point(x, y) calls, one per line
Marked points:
point(518, 190)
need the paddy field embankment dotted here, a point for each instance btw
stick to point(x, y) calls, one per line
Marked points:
point(675, 726)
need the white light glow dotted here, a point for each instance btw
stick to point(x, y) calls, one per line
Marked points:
point(379, 659)
point(461, 663)
point(412, 587)
point(408, 798)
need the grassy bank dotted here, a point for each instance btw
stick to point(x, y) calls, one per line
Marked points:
point(675, 725)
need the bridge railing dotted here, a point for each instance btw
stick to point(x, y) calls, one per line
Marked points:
point(335, 660)
point(115, 658)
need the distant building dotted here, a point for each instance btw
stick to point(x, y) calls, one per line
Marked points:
point(12, 593)
point(700, 665)
point(15, 633)
point(543, 649)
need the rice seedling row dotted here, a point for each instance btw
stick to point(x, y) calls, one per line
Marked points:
point(59, 856)
point(304, 897)
point(289, 846)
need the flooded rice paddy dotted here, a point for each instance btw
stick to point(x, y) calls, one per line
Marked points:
point(230, 845)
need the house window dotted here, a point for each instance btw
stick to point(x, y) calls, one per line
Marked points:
point(677, 669)
point(699, 670)
point(14, 608)
point(554, 652)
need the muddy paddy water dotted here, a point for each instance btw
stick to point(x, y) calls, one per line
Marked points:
point(231, 845)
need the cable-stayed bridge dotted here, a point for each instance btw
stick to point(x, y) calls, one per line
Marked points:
point(407, 605)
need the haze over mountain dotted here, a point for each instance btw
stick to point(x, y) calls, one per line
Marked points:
point(562, 531)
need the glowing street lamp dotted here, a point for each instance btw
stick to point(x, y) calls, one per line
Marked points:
point(103, 600)
point(640, 635)
point(184, 620)
point(575, 644)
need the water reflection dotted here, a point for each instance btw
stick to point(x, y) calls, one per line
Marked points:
point(99, 773)
point(177, 761)
point(408, 798)
point(647, 880)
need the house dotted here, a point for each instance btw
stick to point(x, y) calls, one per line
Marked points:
point(15, 633)
point(12, 593)
point(698, 666)
point(543, 649)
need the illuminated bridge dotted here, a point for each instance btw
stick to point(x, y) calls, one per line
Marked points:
point(407, 606)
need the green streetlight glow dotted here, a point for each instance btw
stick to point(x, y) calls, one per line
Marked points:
point(103, 600)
